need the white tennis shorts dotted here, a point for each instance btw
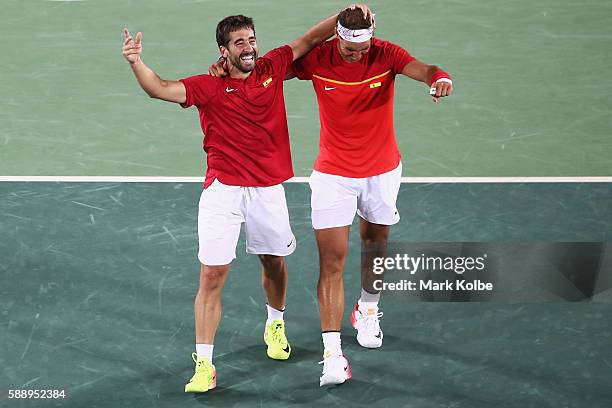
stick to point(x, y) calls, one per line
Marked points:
point(335, 199)
point(263, 210)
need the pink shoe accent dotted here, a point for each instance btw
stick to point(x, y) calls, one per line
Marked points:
point(349, 374)
point(353, 315)
point(214, 379)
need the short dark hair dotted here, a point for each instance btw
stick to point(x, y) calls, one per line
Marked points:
point(353, 19)
point(229, 25)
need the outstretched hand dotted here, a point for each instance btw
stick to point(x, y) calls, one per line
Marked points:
point(132, 48)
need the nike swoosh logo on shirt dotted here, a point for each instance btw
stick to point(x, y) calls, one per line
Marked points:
point(329, 88)
point(228, 89)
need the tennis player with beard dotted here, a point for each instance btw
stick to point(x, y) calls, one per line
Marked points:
point(246, 141)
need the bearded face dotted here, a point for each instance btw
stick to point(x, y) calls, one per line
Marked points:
point(242, 50)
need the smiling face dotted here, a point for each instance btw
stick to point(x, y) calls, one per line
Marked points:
point(352, 52)
point(241, 51)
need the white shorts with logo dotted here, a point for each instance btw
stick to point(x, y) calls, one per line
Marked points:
point(223, 209)
point(335, 199)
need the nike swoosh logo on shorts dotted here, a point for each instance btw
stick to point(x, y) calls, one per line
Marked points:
point(288, 245)
point(228, 89)
point(329, 88)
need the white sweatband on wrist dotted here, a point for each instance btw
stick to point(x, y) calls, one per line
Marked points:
point(447, 80)
point(432, 90)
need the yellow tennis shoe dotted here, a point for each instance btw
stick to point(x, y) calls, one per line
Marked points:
point(205, 377)
point(274, 337)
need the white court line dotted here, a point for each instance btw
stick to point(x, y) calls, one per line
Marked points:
point(406, 180)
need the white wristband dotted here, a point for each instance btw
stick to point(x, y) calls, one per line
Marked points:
point(432, 90)
point(447, 80)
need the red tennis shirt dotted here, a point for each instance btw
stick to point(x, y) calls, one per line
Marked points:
point(246, 138)
point(355, 107)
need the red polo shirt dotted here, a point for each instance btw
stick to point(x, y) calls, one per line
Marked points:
point(246, 138)
point(355, 107)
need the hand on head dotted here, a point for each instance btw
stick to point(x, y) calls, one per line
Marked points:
point(367, 13)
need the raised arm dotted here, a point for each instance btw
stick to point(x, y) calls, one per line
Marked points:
point(321, 32)
point(300, 47)
point(153, 85)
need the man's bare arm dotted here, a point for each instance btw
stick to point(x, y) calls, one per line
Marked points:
point(420, 71)
point(300, 47)
point(151, 83)
point(321, 32)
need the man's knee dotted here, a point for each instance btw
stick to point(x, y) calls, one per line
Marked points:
point(212, 277)
point(272, 264)
point(374, 241)
point(371, 248)
point(332, 261)
point(377, 242)
point(374, 234)
point(333, 248)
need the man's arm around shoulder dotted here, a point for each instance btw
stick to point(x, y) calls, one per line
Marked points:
point(321, 32)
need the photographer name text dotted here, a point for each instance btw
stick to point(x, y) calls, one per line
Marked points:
point(447, 285)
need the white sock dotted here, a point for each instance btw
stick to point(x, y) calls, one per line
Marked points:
point(274, 314)
point(332, 343)
point(205, 351)
point(368, 297)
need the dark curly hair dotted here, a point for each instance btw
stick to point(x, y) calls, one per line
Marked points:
point(229, 25)
point(353, 19)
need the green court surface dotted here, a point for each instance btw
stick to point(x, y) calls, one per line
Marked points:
point(532, 91)
point(98, 281)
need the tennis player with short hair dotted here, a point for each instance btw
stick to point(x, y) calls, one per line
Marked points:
point(247, 144)
point(358, 169)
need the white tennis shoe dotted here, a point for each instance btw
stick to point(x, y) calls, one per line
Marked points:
point(336, 369)
point(367, 324)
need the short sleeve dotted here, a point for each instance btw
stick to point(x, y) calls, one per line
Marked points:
point(281, 59)
point(199, 89)
point(397, 57)
point(303, 68)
